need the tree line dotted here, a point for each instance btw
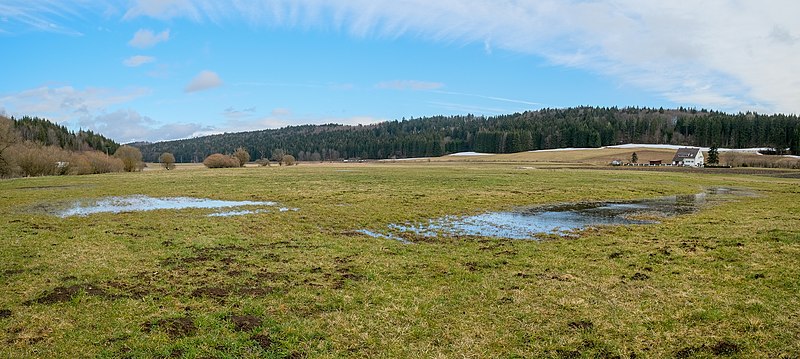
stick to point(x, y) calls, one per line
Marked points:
point(532, 130)
point(46, 133)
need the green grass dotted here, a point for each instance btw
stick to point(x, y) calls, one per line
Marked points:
point(724, 281)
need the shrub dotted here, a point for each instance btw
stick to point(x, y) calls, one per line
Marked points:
point(288, 160)
point(167, 160)
point(242, 155)
point(101, 163)
point(35, 160)
point(131, 158)
point(219, 160)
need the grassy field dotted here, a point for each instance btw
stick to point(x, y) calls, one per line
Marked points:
point(722, 282)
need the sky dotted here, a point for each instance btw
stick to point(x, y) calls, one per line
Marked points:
point(153, 70)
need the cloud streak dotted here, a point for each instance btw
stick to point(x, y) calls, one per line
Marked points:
point(409, 85)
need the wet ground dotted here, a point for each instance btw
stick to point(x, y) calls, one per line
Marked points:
point(531, 223)
point(145, 203)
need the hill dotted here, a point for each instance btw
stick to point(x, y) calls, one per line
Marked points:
point(47, 133)
point(532, 130)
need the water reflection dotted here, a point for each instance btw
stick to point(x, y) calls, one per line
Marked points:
point(528, 223)
point(145, 203)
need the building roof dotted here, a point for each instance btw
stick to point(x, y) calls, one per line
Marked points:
point(685, 153)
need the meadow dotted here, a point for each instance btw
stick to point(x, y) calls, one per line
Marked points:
point(724, 281)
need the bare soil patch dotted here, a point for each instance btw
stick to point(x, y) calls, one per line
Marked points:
point(263, 340)
point(65, 294)
point(174, 327)
point(245, 323)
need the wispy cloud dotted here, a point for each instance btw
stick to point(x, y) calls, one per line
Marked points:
point(18, 16)
point(494, 98)
point(145, 38)
point(138, 60)
point(464, 108)
point(671, 48)
point(233, 113)
point(409, 85)
point(167, 9)
point(203, 81)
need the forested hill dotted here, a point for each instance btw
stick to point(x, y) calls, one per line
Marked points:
point(542, 129)
point(44, 132)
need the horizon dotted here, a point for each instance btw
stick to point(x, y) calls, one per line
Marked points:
point(166, 70)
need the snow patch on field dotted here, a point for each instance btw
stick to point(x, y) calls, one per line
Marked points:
point(470, 153)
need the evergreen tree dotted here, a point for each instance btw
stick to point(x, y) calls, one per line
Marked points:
point(634, 158)
point(713, 155)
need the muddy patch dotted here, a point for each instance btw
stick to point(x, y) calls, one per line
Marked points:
point(245, 323)
point(581, 325)
point(559, 220)
point(173, 327)
point(140, 203)
point(211, 292)
point(720, 348)
point(66, 294)
point(263, 340)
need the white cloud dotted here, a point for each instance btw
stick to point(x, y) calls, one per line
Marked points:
point(126, 125)
point(240, 125)
point(66, 102)
point(145, 38)
point(409, 85)
point(727, 54)
point(733, 55)
point(203, 81)
point(138, 60)
point(91, 108)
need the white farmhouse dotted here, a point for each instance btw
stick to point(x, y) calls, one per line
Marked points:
point(687, 156)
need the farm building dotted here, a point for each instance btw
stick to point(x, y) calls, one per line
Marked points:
point(688, 156)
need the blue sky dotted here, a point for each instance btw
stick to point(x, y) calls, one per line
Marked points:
point(167, 69)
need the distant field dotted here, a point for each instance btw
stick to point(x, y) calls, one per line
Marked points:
point(601, 156)
point(720, 282)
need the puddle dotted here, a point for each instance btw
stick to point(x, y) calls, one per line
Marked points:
point(145, 203)
point(238, 213)
point(528, 223)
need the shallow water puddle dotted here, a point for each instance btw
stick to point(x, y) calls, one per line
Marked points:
point(145, 203)
point(528, 223)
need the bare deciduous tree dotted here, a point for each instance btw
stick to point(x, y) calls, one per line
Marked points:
point(167, 160)
point(242, 155)
point(8, 138)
